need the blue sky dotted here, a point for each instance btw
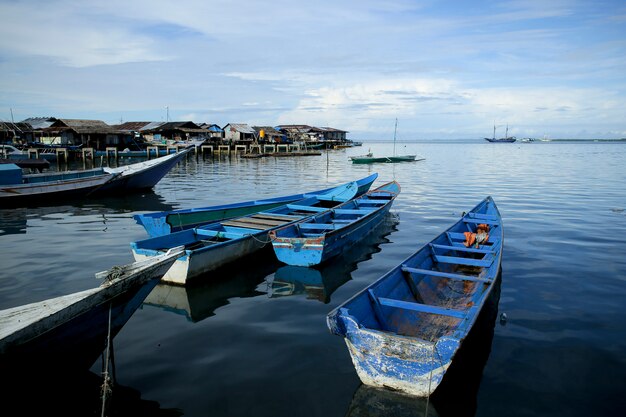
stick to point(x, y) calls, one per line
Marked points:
point(445, 69)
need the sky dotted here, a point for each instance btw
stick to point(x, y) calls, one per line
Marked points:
point(443, 69)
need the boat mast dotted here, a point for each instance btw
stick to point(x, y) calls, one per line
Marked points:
point(394, 137)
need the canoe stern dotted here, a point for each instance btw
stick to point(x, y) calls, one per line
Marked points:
point(299, 251)
point(386, 360)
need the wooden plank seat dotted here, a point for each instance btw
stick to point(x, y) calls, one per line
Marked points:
point(272, 216)
point(483, 221)
point(461, 248)
point(246, 224)
point(438, 274)
point(422, 308)
point(372, 202)
point(316, 226)
point(485, 263)
point(306, 208)
point(482, 216)
point(260, 222)
point(352, 211)
point(217, 234)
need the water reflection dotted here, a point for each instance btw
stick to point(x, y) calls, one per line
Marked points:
point(15, 221)
point(374, 402)
point(74, 393)
point(200, 301)
point(74, 342)
point(320, 282)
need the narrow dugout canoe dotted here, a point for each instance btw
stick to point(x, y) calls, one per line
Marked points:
point(216, 245)
point(166, 222)
point(325, 235)
point(404, 330)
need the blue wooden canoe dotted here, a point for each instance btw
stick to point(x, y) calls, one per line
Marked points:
point(166, 222)
point(319, 238)
point(218, 244)
point(404, 330)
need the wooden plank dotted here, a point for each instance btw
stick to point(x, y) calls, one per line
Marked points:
point(306, 208)
point(481, 221)
point(482, 216)
point(352, 211)
point(460, 248)
point(272, 216)
point(261, 222)
point(320, 226)
point(422, 308)
point(217, 234)
point(444, 274)
point(244, 224)
point(485, 263)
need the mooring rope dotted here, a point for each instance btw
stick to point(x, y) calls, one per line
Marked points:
point(106, 383)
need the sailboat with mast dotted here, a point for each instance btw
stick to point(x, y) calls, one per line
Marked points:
point(369, 158)
point(505, 139)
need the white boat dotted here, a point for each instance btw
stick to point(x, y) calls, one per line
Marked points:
point(72, 330)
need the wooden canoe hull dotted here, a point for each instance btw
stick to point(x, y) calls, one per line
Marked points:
point(317, 239)
point(72, 330)
point(404, 330)
point(166, 222)
point(216, 245)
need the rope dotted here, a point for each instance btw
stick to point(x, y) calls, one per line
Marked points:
point(114, 273)
point(106, 383)
point(264, 242)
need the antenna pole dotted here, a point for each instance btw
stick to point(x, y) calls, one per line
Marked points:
point(394, 137)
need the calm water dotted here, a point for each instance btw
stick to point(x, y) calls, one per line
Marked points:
point(253, 341)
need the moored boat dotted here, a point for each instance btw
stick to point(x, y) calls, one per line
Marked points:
point(215, 245)
point(71, 331)
point(403, 330)
point(166, 222)
point(320, 237)
point(17, 188)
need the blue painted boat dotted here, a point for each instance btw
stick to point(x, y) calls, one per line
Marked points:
point(215, 245)
point(71, 331)
point(166, 222)
point(17, 188)
point(319, 238)
point(320, 282)
point(404, 330)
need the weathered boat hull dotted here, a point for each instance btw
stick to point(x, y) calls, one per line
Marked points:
point(215, 245)
point(404, 330)
point(47, 188)
point(196, 263)
point(326, 235)
point(142, 175)
point(71, 331)
point(166, 222)
point(33, 188)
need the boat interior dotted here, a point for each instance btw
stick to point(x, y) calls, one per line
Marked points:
point(432, 293)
